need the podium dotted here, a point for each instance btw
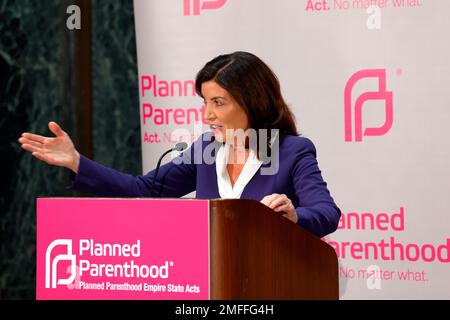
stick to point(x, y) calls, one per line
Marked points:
point(258, 254)
point(177, 249)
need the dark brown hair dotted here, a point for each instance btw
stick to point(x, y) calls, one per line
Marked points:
point(254, 86)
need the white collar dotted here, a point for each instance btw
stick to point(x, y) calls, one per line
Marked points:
point(226, 190)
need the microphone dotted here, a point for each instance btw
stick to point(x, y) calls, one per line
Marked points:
point(180, 146)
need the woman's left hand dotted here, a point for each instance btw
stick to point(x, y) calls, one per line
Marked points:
point(281, 203)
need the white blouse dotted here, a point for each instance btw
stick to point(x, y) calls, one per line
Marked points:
point(226, 190)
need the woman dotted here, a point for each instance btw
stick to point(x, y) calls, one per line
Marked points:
point(241, 95)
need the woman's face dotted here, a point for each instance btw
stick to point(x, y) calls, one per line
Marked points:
point(222, 112)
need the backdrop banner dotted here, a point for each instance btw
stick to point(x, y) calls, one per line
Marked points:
point(368, 83)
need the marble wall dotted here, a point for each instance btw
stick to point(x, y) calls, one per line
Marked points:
point(36, 67)
point(115, 86)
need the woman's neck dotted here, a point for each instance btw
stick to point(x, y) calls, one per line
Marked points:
point(237, 154)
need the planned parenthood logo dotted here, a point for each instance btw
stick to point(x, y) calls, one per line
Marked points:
point(51, 264)
point(94, 262)
point(354, 112)
point(199, 5)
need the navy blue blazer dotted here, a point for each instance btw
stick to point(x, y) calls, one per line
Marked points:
point(298, 176)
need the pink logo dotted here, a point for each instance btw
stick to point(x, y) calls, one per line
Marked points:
point(206, 5)
point(381, 94)
point(51, 264)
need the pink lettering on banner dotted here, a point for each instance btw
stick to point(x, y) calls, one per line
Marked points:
point(392, 250)
point(381, 94)
point(383, 249)
point(154, 87)
point(321, 5)
point(164, 88)
point(179, 116)
point(100, 249)
point(206, 5)
point(407, 3)
point(373, 221)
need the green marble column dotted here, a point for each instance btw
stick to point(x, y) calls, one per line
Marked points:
point(115, 86)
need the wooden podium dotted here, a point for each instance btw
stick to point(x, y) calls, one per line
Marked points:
point(177, 249)
point(258, 254)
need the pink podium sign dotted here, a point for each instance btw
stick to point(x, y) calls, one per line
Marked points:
point(120, 249)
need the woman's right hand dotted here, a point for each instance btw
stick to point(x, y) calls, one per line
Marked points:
point(58, 151)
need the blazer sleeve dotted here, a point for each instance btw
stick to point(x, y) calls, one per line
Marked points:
point(316, 211)
point(175, 179)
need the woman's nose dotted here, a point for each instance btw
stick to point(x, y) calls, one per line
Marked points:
point(209, 114)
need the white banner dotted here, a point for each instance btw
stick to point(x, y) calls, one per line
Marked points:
point(368, 85)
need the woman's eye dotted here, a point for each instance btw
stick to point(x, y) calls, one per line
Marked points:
point(219, 103)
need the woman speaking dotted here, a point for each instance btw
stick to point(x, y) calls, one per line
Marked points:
point(248, 118)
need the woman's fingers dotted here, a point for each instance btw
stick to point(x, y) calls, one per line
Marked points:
point(31, 142)
point(281, 203)
point(284, 207)
point(55, 128)
point(57, 150)
point(280, 200)
point(267, 200)
point(33, 137)
point(37, 151)
point(276, 200)
point(31, 148)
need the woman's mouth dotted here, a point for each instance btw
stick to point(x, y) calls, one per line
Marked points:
point(215, 126)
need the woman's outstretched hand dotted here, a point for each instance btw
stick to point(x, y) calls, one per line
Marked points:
point(58, 151)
